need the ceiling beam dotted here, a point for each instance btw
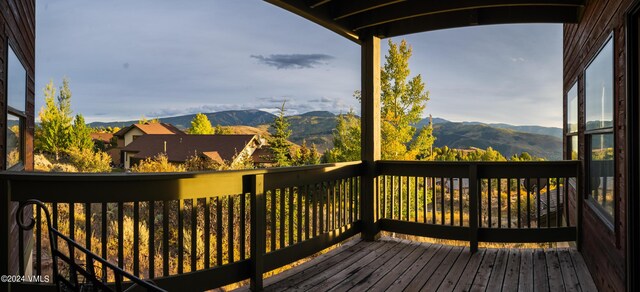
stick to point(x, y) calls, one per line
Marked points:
point(319, 15)
point(351, 7)
point(410, 9)
point(484, 16)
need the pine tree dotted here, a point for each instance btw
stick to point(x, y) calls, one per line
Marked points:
point(201, 125)
point(53, 133)
point(279, 141)
point(80, 134)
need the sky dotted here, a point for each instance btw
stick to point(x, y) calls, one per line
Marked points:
point(155, 58)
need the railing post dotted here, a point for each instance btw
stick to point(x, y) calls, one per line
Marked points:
point(254, 185)
point(579, 201)
point(370, 134)
point(5, 222)
point(474, 194)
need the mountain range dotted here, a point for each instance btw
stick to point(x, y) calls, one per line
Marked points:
point(316, 127)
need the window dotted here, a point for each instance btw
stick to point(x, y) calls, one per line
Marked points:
point(16, 115)
point(572, 123)
point(599, 130)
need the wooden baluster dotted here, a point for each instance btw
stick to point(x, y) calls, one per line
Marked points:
point(103, 232)
point(194, 233)
point(451, 191)
point(558, 212)
point(230, 226)
point(538, 202)
point(442, 204)
point(283, 214)
point(307, 198)
point(424, 200)
point(258, 228)
point(499, 203)
point(273, 211)
point(565, 202)
point(519, 182)
point(321, 207)
point(548, 202)
point(219, 234)
point(300, 191)
point(165, 238)
point(180, 236)
point(136, 239)
point(392, 195)
point(87, 228)
point(415, 199)
point(243, 222)
point(290, 210)
point(433, 200)
point(152, 232)
point(509, 202)
point(489, 195)
point(207, 232)
point(408, 206)
point(72, 233)
point(39, 240)
point(528, 202)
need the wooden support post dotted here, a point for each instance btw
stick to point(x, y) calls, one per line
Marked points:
point(5, 222)
point(579, 201)
point(254, 185)
point(474, 195)
point(370, 137)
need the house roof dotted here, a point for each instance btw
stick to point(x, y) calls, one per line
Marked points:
point(151, 128)
point(263, 154)
point(388, 18)
point(180, 147)
point(104, 137)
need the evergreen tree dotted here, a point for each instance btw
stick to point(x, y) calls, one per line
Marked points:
point(201, 125)
point(402, 104)
point(279, 141)
point(53, 133)
point(306, 155)
point(80, 134)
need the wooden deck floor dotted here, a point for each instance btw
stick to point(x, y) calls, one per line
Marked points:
point(397, 265)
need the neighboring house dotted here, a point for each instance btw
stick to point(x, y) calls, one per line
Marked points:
point(101, 140)
point(263, 157)
point(128, 134)
point(229, 149)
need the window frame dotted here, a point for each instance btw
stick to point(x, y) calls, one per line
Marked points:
point(599, 210)
point(9, 110)
point(569, 135)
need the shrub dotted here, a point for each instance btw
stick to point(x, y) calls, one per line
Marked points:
point(159, 163)
point(86, 160)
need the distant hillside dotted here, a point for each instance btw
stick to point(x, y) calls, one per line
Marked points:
point(551, 131)
point(317, 127)
point(508, 142)
point(225, 118)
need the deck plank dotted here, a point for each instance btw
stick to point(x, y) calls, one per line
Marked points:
point(437, 276)
point(402, 280)
point(540, 277)
point(452, 278)
point(332, 277)
point(353, 254)
point(513, 271)
point(499, 270)
point(344, 250)
point(525, 281)
point(379, 266)
point(402, 265)
point(484, 272)
point(469, 273)
point(568, 272)
point(584, 276)
point(420, 255)
point(554, 272)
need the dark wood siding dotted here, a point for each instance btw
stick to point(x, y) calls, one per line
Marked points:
point(604, 248)
point(17, 19)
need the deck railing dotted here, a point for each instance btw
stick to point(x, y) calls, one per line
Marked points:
point(206, 230)
point(479, 201)
point(196, 230)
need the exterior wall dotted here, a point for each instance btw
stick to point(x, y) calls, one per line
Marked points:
point(128, 136)
point(603, 246)
point(17, 20)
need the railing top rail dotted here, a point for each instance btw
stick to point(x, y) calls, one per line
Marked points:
point(99, 188)
point(493, 169)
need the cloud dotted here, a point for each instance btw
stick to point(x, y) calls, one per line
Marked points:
point(517, 59)
point(322, 100)
point(293, 61)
